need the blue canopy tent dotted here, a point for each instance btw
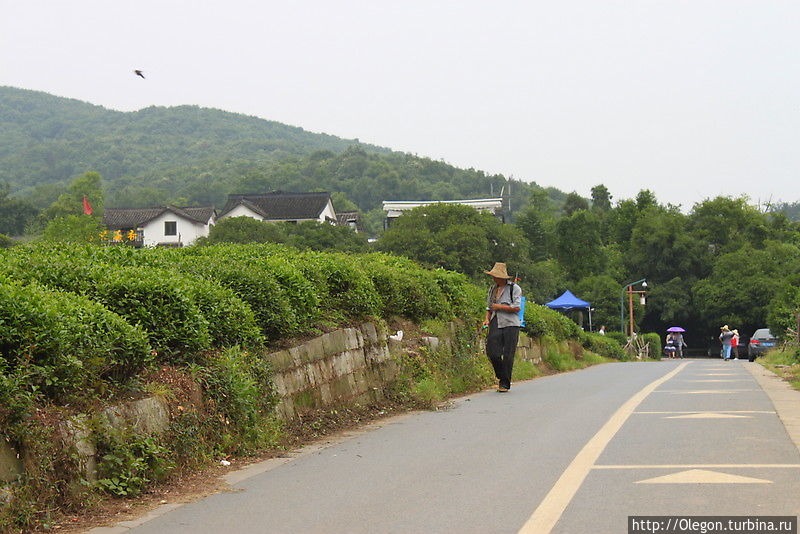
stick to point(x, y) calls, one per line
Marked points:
point(568, 301)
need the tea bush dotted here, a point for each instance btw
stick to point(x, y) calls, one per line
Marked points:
point(157, 301)
point(542, 321)
point(603, 345)
point(62, 342)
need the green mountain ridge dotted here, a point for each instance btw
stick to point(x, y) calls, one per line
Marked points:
point(48, 139)
point(191, 155)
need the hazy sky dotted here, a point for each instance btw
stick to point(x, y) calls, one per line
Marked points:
point(690, 98)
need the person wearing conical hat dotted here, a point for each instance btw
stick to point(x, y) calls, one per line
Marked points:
point(735, 344)
point(726, 337)
point(502, 318)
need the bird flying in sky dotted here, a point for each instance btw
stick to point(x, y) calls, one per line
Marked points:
point(139, 73)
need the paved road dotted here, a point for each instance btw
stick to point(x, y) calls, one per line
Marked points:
point(570, 453)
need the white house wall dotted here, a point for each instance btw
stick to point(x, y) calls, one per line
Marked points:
point(327, 213)
point(243, 211)
point(188, 231)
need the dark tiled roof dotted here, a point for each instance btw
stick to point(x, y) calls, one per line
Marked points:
point(343, 218)
point(280, 205)
point(119, 218)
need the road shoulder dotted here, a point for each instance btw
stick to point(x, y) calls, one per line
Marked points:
point(785, 399)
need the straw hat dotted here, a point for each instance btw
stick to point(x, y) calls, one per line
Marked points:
point(724, 328)
point(735, 331)
point(499, 271)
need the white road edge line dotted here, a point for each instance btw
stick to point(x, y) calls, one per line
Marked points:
point(549, 511)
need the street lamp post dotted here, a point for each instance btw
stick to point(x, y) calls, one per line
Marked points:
point(629, 289)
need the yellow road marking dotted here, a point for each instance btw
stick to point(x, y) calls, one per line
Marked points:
point(709, 416)
point(712, 411)
point(700, 466)
point(702, 391)
point(549, 511)
point(702, 476)
point(720, 380)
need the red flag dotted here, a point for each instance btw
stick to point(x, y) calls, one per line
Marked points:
point(87, 208)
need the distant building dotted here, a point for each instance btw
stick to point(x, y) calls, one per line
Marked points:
point(279, 206)
point(162, 225)
point(351, 219)
point(395, 208)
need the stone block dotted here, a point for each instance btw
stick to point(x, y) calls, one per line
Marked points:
point(343, 387)
point(298, 354)
point(77, 435)
point(280, 384)
point(10, 464)
point(360, 380)
point(524, 340)
point(345, 362)
point(148, 416)
point(377, 354)
point(315, 349)
point(431, 342)
point(281, 360)
point(295, 380)
point(354, 339)
point(334, 342)
point(371, 334)
point(326, 394)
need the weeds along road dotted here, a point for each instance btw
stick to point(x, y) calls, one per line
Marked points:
point(571, 453)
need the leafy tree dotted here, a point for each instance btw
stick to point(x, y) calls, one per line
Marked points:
point(538, 227)
point(74, 228)
point(574, 202)
point(601, 198)
point(71, 202)
point(543, 281)
point(744, 283)
point(325, 237)
point(579, 246)
point(455, 237)
point(602, 292)
point(245, 230)
point(726, 223)
point(342, 203)
point(15, 214)
point(661, 248)
point(6, 242)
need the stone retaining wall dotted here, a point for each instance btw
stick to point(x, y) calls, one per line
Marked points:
point(347, 366)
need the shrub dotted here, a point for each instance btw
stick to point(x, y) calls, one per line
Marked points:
point(160, 302)
point(619, 337)
point(240, 390)
point(6, 242)
point(603, 345)
point(654, 340)
point(63, 342)
point(542, 321)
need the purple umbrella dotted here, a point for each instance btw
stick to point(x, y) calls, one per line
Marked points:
point(675, 329)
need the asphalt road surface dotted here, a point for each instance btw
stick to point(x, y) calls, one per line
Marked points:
point(571, 453)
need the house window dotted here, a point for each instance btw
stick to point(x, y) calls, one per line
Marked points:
point(170, 227)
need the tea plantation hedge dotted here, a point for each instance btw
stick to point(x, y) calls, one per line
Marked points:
point(58, 342)
point(181, 303)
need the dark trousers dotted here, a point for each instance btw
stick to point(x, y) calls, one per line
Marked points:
point(501, 345)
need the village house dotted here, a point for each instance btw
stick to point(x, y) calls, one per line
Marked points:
point(396, 208)
point(279, 206)
point(161, 226)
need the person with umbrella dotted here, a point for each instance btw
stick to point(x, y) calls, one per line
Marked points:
point(674, 343)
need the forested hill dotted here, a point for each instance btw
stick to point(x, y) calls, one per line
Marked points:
point(190, 155)
point(48, 139)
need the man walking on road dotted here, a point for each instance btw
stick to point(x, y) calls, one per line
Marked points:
point(502, 317)
point(726, 338)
